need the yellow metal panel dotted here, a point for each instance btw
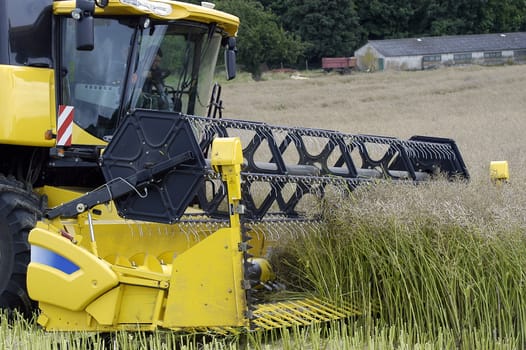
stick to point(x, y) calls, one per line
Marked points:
point(205, 289)
point(499, 171)
point(227, 157)
point(80, 137)
point(56, 318)
point(180, 10)
point(142, 277)
point(74, 290)
point(206, 285)
point(226, 151)
point(138, 305)
point(27, 105)
point(106, 308)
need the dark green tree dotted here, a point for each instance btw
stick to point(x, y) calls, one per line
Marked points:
point(261, 40)
point(454, 17)
point(384, 19)
point(504, 16)
point(337, 28)
point(330, 28)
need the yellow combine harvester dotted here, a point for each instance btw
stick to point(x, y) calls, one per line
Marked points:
point(126, 202)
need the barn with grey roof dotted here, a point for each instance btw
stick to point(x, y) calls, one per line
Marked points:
point(430, 52)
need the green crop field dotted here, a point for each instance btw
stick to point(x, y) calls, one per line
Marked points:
point(440, 265)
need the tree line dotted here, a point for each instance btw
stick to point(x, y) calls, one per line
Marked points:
point(291, 33)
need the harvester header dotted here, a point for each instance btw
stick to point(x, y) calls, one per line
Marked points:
point(128, 203)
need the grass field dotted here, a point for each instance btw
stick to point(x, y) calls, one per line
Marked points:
point(435, 266)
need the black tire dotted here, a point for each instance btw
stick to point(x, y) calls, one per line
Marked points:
point(20, 209)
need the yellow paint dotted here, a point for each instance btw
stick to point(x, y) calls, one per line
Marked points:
point(106, 308)
point(499, 171)
point(227, 157)
point(205, 289)
point(80, 137)
point(27, 105)
point(138, 305)
point(71, 291)
point(54, 318)
point(206, 285)
point(180, 11)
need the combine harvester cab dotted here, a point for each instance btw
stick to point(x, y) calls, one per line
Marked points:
point(147, 215)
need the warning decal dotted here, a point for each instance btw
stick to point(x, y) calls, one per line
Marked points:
point(65, 125)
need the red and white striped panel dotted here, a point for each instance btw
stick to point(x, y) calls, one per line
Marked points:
point(65, 125)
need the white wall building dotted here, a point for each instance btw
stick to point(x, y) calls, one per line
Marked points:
point(430, 52)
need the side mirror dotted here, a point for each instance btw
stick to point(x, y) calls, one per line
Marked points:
point(83, 14)
point(85, 36)
point(230, 58)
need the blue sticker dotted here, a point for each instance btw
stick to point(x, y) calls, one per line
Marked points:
point(47, 257)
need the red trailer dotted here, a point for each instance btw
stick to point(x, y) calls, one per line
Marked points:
point(340, 64)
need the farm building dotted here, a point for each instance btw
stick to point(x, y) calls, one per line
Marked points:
point(430, 52)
